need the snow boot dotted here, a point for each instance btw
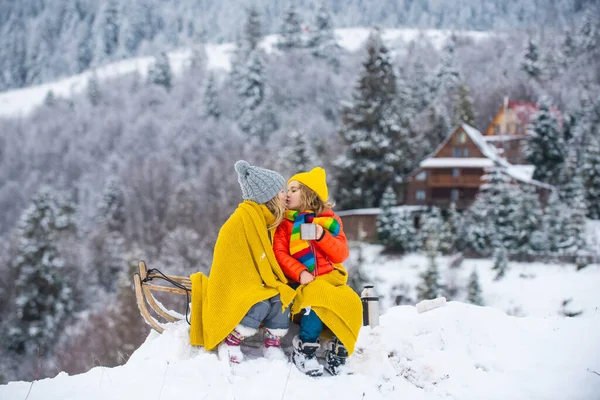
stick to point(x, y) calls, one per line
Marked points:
point(272, 349)
point(230, 348)
point(304, 357)
point(335, 358)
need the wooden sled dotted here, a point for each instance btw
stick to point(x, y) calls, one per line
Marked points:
point(146, 282)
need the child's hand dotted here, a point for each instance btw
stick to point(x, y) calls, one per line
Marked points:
point(319, 231)
point(306, 277)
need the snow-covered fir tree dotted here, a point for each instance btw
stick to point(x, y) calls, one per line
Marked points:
point(252, 29)
point(110, 28)
point(463, 107)
point(376, 138)
point(446, 82)
point(430, 287)
point(93, 89)
point(322, 41)
point(474, 295)
point(500, 262)
point(456, 228)
point(108, 244)
point(555, 222)
point(254, 112)
point(395, 229)
point(111, 210)
point(545, 146)
point(433, 231)
point(297, 154)
point(591, 171)
point(44, 291)
point(212, 108)
point(530, 60)
point(159, 72)
point(576, 228)
point(491, 217)
point(528, 222)
point(291, 30)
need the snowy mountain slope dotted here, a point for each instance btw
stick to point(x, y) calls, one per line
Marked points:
point(457, 351)
point(20, 102)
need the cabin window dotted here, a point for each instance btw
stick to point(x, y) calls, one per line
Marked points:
point(462, 137)
point(420, 195)
point(455, 172)
point(465, 152)
point(496, 129)
point(421, 176)
point(456, 152)
point(454, 194)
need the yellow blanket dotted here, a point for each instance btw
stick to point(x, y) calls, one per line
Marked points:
point(244, 272)
point(338, 306)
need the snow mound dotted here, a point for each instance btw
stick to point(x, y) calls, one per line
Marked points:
point(457, 351)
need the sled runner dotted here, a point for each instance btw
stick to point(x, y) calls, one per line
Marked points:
point(146, 282)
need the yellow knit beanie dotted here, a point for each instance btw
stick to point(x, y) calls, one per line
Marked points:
point(315, 179)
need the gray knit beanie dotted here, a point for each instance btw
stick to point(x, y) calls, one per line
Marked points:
point(258, 184)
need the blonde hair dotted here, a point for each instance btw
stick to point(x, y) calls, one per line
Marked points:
point(277, 208)
point(309, 200)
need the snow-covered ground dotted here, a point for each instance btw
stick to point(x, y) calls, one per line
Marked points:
point(20, 102)
point(527, 289)
point(458, 351)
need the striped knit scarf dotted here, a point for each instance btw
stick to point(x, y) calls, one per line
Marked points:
point(300, 249)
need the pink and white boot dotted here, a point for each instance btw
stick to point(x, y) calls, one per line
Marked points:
point(272, 349)
point(230, 348)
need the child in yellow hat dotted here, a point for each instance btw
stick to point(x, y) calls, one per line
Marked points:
point(303, 260)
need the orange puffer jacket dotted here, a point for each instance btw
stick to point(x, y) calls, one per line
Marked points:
point(328, 251)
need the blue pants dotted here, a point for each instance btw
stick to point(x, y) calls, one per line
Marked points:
point(310, 327)
point(269, 312)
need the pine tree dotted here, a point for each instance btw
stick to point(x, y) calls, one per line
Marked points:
point(491, 217)
point(591, 171)
point(378, 152)
point(45, 296)
point(93, 89)
point(110, 28)
point(528, 221)
point(530, 61)
point(298, 155)
point(160, 73)
point(111, 210)
point(395, 229)
point(322, 40)
point(474, 289)
point(291, 30)
point(500, 262)
point(142, 25)
point(430, 287)
point(456, 228)
point(545, 146)
point(85, 53)
point(386, 220)
point(252, 29)
point(463, 107)
point(212, 109)
point(108, 244)
point(554, 222)
point(576, 228)
point(432, 230)
point(255, 117)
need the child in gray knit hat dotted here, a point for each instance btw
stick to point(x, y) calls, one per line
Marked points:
point(267, 188)
point(258, 184)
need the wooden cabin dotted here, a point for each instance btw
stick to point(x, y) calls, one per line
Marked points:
point(507, 131)
point(453, 172)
